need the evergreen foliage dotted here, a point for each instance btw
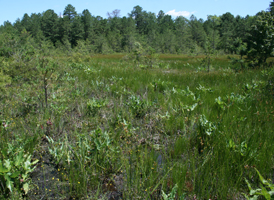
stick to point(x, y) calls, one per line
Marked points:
point(261, 39)
point(118, 34)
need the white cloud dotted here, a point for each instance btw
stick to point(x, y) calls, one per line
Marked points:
point(179, 13)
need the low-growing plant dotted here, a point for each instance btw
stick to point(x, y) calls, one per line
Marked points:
point(160, 86)
point(127, 128)
point(15, 167)
point(206, 129)
point(171, 195)
point(60, 150)
point(266, 190)
point(93, 105)
point(220, 105)
point(203, 89)
point(138, 106)
point(84, 160)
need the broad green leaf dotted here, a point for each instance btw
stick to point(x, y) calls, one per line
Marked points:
point(27, 165)
point(9, 183)
point(257, 191)
point(3, 169)
point(156, 147)
point(248, 184)
point(261, 178)
point(25, 176)
point(19, 158)
point(265, 193)
point(15, 174)
point(8, 164)
point(98, 145)
point(34, 162)
point(193, 106)
point(271, 192)
point(4, 151)
point(255, 197)
point(164, 195)
point(26, 187)
point(246, 196)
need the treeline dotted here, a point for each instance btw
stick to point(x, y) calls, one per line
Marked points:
point(118, 34)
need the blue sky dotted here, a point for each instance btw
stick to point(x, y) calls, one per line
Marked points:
point(12, 9)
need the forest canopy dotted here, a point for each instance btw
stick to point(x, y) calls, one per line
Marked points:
point(118, 34)
point(86, 34)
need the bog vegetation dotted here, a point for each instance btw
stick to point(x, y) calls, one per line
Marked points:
point(91, 108)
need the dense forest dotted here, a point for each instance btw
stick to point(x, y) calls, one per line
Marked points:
point(95, 34)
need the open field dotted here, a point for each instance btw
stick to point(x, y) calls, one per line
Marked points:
point(104, 127)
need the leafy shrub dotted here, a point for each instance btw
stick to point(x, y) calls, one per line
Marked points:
point(266, 190)
point(160, 86)
point(94, 105)
point(138, 106)
point(93, 149)
point(15, 168)
point(206, 129)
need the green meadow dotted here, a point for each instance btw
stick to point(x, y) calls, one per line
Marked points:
point(111, 127)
